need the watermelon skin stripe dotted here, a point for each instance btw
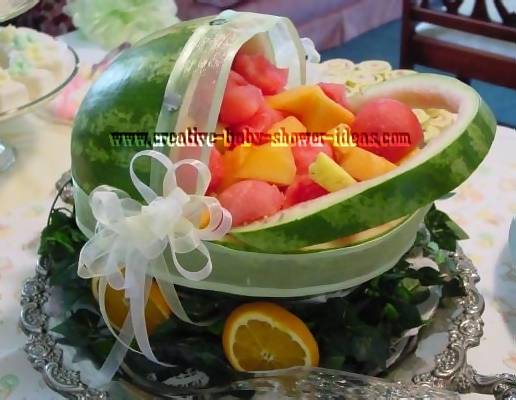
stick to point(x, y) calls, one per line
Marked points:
point(141, 74)
point(388, 200)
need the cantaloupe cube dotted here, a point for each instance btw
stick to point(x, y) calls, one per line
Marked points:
point(269, 163)
point(232, 163)
point(362, 164)
point(284, 131)
point(312, 107)
point(408, 156)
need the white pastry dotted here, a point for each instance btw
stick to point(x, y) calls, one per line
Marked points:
point(46, 57)
point(38, 81)
point(7, 35)
point(12, 94)
point(40, 49)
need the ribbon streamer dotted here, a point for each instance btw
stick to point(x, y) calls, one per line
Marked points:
point(130, 242)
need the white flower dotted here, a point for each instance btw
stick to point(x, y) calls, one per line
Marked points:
point(110, 23)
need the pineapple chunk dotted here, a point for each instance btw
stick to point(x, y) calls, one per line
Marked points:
point(328, 174)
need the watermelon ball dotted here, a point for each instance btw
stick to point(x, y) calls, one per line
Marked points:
point(336, 92)
point(380, 122)
point(259, 71)
point(306, 153)
point(240, 102)
point(235, 79)
point(303, 189)
point(250, 200)
point(216, 166)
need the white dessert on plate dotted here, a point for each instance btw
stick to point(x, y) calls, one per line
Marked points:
point(32, 60)
point(12, 94)
point(45, 57)
point(38, 81)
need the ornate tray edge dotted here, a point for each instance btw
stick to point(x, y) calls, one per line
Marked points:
point(452, 371)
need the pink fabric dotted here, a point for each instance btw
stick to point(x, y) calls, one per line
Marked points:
point(328, 23)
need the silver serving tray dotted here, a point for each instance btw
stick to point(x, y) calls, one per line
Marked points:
point(450, 372)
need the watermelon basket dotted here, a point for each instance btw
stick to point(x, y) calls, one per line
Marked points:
point(177, 80)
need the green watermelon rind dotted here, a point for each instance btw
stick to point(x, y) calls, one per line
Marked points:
point(258, 274)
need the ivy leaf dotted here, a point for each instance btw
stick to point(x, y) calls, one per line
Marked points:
point(335, 362)
point(411, 317)
point(77, 328)
point(443, 230)
point(420, 295)
point(390, 312)
point(427, 276)
point(370, 345)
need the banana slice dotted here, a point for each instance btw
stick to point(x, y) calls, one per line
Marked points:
point(430, 132)
point(339, 65)
point(351, 90)
point(421, 115)
point(440, 118)
point(334, 78)
point(398, 73)
point(336, 70)
point(362, 78)
point(375, 66)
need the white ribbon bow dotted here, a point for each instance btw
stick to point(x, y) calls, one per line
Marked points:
point(130, 241)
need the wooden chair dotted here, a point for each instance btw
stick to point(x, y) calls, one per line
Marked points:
point(456, 46)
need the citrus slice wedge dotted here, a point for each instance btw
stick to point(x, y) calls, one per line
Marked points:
point(117, 306)
point(264, 336)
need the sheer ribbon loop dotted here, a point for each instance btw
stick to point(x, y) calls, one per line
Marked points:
point(131, 241)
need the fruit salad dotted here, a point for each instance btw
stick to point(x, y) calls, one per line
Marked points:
point(279, 147)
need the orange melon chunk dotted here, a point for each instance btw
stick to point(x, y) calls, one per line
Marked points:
point(362, 164)
point(412, 153)
point(282, 130)
point(269, 163)
point(232, 162)
point(312, 107)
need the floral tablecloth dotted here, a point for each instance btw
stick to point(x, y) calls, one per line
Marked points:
point(484, 206)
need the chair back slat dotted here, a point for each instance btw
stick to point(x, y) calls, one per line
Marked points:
point(458, 58)
point(508, 18)
point(480, 11)
point(452, 6)
point(462, 23)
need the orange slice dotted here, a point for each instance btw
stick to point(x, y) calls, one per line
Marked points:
point(156, 311)
point(264, 336)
